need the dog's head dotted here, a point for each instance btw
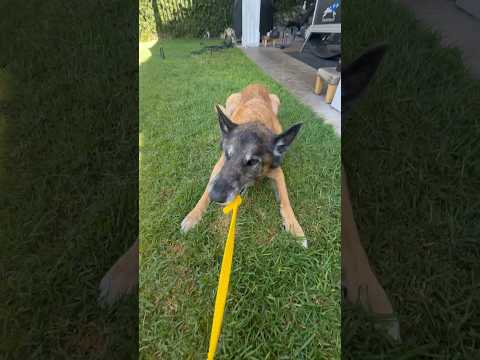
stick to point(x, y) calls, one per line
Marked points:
point(357, 75)
point(250, 151)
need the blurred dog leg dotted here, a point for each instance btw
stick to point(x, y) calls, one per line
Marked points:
point(122, 278)
point(359, 280)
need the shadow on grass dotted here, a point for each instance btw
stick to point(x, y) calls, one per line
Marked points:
point(69, 184)
point(412, 153)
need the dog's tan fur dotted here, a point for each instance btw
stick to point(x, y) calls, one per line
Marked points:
point(359, 279)
point(122, 278)
point(254, 103)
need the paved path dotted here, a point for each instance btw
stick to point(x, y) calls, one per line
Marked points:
point(456, 27)
point(297, 77)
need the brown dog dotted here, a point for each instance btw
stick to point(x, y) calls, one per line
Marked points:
point(253, 146)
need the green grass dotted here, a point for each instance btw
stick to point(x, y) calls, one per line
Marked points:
point(412, 153)
point(68, 176)
point(283, 300)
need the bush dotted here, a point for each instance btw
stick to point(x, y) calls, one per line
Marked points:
point(187, 18)
point(191, 18)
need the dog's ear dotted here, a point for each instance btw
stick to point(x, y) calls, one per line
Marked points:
point(282, 142)
point(357, 75)
point(226, 125)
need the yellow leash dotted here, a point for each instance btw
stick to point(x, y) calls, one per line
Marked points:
point(224, 278)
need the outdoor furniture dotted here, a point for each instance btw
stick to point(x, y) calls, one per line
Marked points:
point(267, 40)
point(330, 77)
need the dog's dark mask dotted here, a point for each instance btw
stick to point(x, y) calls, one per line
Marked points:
point(250, 151)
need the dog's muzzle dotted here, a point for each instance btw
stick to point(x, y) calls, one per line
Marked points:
point(223, 198)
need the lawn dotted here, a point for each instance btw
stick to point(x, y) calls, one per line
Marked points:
point(284, 301)
point(412, 152)
point(68, 176)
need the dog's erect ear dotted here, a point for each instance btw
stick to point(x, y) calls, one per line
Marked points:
point(282, 142)
point(357, 75)
point(226, 125)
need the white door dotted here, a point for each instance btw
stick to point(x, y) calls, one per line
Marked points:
point(251, 23)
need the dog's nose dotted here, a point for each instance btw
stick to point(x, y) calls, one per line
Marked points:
point(218, 196)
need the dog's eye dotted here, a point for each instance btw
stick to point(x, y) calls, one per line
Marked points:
point(252, 162)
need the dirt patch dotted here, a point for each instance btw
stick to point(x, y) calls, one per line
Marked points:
point(267, 237)
point(170, 305)
point(177, 249)
point(221, 224)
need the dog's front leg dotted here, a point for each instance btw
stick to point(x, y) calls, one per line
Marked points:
point(122, 278)
point(358, 278)
point(289, 220)
point(197, 212)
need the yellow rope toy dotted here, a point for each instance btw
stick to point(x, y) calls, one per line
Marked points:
point(224, 277)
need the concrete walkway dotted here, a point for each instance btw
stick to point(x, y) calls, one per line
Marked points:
point(456, 27)
point(297, 77)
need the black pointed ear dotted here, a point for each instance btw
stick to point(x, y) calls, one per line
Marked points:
point(282, 142)
point(357, 75)
point(226, 125)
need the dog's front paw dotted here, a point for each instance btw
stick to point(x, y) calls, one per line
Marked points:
point(120, 280)
point(304, 242)
point(190, 221)
point(389, 326)
point(364, 289)
point(291, 225)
